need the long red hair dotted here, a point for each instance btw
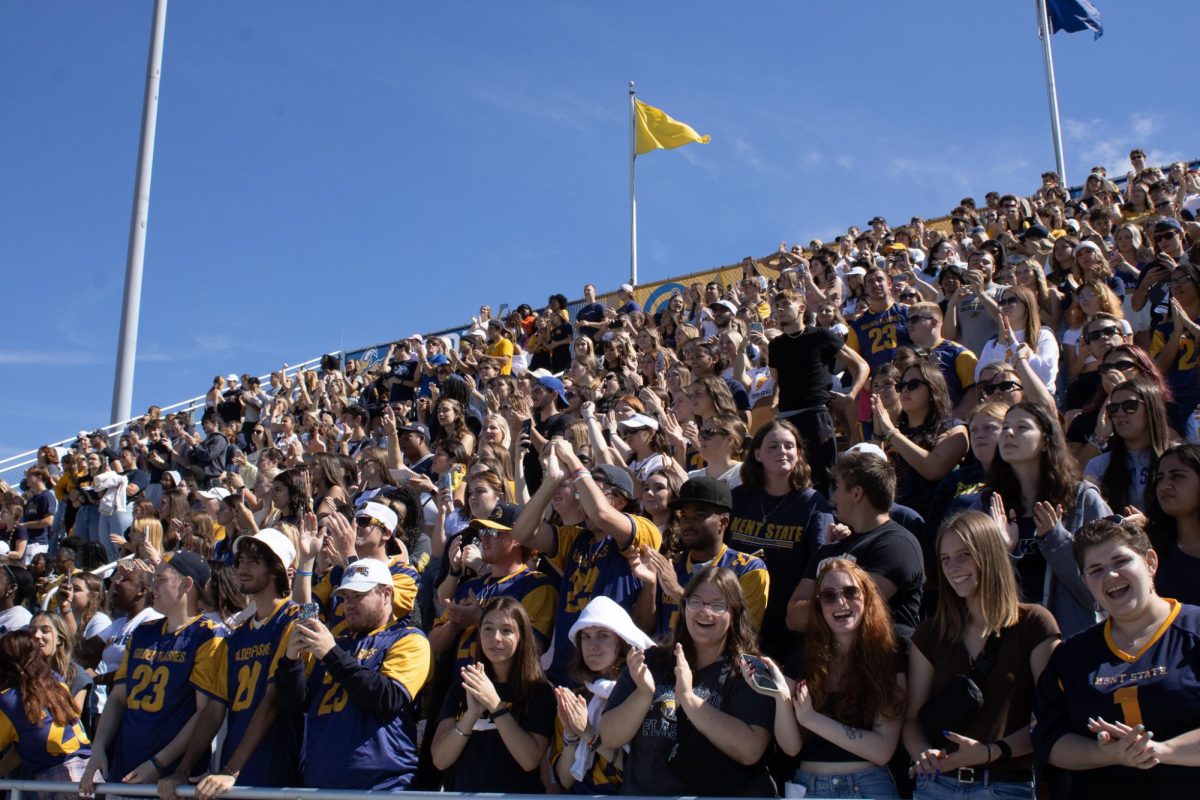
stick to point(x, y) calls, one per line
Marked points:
point(868, 687)
point(24, 668)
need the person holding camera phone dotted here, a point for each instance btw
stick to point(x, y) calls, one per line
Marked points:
point(844, 715)
point(973, 670)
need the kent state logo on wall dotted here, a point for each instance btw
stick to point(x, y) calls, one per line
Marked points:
point(658, 299)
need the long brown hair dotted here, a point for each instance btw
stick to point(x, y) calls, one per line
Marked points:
point(742, 636)
point(526, 669)
point(24, 668)
point(753, 475)
point(62, 661)
point(998, 595)
point(868, 689)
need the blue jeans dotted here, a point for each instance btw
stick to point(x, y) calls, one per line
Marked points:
point(875, 783)
point(87, 524)
point(118, 523)
point(943, 787)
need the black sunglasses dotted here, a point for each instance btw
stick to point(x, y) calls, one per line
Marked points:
point(1158, 237)
point(1117, 366)
point(1103, 333)
point(910, 385)
point(1128, 406)
point(1008, 301)
point(1002, 386)
point(708, 433)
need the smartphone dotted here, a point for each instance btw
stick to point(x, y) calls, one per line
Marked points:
point(444, 480)
point(309, 611)
point(526, 427)
point(756, 327)
point(760, 673)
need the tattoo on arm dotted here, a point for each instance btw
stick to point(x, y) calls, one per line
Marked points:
point(852, 732)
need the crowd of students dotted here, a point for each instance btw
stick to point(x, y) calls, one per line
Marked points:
point(913, 511)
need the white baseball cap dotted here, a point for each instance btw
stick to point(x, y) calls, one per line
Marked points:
point(215, 493)
point(379, 512)
point(276, 541)
point(364, 575)
point(634, 421)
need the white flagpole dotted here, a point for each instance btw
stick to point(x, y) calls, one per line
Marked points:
point(1051, 90)
point(632, 194)
point(122, 399)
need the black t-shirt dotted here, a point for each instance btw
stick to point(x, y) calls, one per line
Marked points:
point(402, 373)
point(1178, 576)
point(787, 529)
point(890, 552)
point(912, 488)
point(38, 507)
point(163, 452)
point(486, 765)
point(1082, 389)
point(804, 363)
point(139, 478)
point(560, 357)
point(720, 684)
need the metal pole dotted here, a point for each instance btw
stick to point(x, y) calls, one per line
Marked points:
point(632, 194)
point(122, 400)
point(1051, 89)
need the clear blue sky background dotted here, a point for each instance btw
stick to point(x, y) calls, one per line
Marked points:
point(330, 172)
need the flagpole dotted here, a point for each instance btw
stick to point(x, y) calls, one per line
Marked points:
point(1051, 89)
point(632, 193)
point(122, 397)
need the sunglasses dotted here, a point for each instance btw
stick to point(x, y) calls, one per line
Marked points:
point(906, 296)
point(1158, 237)
point(1128, 406)
point(490, 533)
point(1103, 333)
point(910, 385)
point(708, 433)
point(1008, 301)
point(1002, 386)
point(366, 522)
point(1117, 366)
point(831, 597)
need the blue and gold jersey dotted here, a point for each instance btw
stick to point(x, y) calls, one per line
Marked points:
point(603, 777)
point(592, 565)
point(1159, 687)
point(1183, 376)
point(752, 576)
point(253, 653)
point(537, 592)
point(161, 671)
point(405, 581)
point(349, 747)
point(876, 334)
point(957, 365)
point(43, 744)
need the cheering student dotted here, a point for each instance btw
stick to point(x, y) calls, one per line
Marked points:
point(360, 698)
point(169, 676)
point(843, 717)
point(262, 746)
point(496, 722)
point(981, 630)
point(692, 724)
point(1173, 522)
point(603, 636)
point(37, 716)
point(1118, 704)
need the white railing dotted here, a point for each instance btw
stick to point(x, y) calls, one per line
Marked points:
point(12, 468)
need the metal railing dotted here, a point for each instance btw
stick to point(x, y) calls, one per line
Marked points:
point(13, 467)
point(16, 788)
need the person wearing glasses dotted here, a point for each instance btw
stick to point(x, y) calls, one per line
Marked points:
point(956, 362)
point(864, 490)
point(367, 537)
point(1174, 345)
point(1140, 436)
point(1117, 706)
point(702, 517)
point(1022, 337)
point(1099, 334)
point(982, 629)
point(1090, 300)
point(1089, 428)
point(843, 709)
point(692, 724)
point(506, 573)
point(590, 554)
point(722, 443)
point(926, 441)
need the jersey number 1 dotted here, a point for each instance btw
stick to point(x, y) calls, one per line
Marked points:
point(1126, 697)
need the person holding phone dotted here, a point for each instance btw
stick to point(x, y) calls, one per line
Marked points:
point(844, 712)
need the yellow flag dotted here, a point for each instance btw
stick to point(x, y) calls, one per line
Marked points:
point(657, 131)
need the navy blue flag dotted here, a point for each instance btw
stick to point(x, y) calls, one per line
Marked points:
point(1074, 16)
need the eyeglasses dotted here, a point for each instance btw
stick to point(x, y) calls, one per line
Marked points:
point(1002, 386)
point(910, 385)
point(1103, 333)
point(491, 533)
point(696, 605)
point(830, 597)
point(708, 433)
point(1008, 301)
point(1128, 406)
point(1117, 366)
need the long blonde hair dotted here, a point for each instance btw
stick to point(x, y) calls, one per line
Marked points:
point(998, 597)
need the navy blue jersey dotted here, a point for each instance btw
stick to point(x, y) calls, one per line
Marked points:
point(1159, 687)
point(43, 744)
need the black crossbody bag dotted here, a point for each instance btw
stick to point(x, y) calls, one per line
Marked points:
point(961, 698)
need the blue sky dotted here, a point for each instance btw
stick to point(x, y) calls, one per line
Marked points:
point(330, 173)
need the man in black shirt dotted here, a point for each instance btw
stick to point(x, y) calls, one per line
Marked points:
point(864, 488)
point(802, 363)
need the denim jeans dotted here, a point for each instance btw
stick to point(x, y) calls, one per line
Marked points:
point(117, 522)
point(87, 523)
point(943, 787)
point(875, 783)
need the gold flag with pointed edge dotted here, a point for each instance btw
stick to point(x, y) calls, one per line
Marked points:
point(657, 131)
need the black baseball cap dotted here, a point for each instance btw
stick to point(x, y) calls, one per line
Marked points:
point(415, 427)
point(704, 489)
point(190, 565)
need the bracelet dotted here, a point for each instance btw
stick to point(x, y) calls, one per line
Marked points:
point(579, 475)
point(499, 712)
point(455, 573)
point(157, 765)
point(570, 741)
point(1004, 748)
point(988, 758)
point(885, 437)
point(459, 731)
point(304, 573)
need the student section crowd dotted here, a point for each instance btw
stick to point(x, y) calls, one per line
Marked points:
point(913, 512)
